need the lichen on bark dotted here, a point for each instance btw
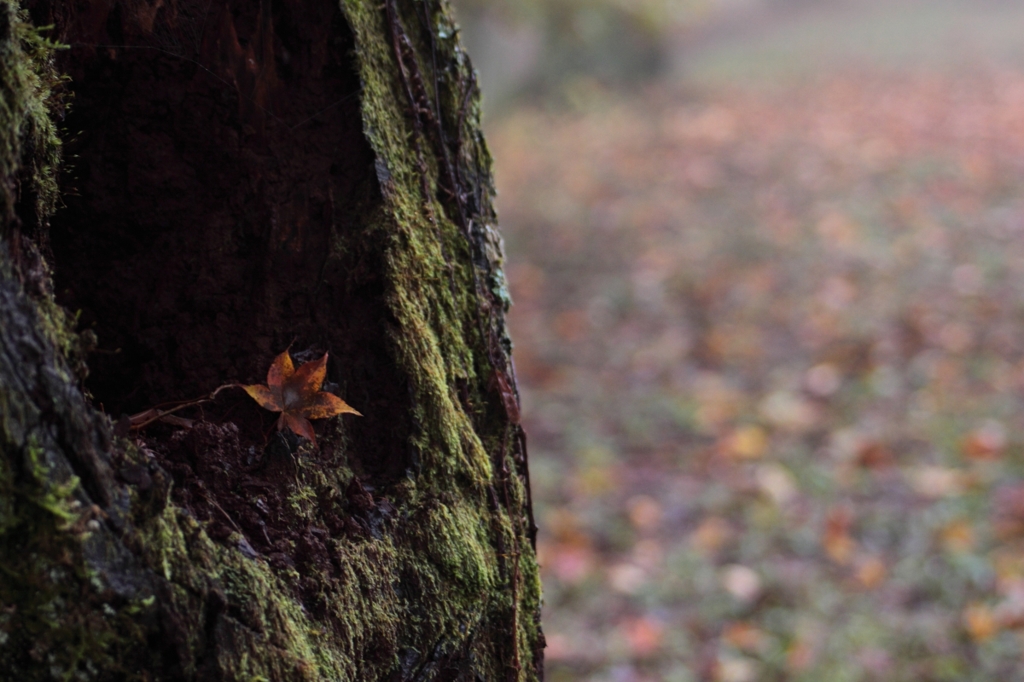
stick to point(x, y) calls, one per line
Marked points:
point(425, 568)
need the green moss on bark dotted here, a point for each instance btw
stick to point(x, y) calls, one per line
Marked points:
point(29, 145)
point(105, 581)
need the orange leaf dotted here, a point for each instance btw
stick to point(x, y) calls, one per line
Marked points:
point(296, 394)
point(836, 539)
point(323, 405)
point(264, 396)
point(980, 622)
point(281, 369)
point(298, 424)
point(309, 377)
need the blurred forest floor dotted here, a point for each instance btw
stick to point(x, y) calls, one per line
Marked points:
point(771, 347)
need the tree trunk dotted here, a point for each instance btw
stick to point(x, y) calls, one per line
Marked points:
point(242, 177)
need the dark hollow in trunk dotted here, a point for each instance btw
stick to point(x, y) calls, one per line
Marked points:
point(215, 169)
point(242, 177)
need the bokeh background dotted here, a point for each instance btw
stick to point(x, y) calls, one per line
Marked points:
point(767, 259)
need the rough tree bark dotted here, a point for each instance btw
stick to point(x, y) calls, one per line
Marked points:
point(239, 177)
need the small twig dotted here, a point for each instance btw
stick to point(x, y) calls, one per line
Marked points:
point(143, 419)
point(226, 516)
point(146, 417)
point(177, 421)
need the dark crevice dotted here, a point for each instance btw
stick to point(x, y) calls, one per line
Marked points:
point(216, 204)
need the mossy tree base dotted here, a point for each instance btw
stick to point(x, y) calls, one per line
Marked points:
point(247, 176)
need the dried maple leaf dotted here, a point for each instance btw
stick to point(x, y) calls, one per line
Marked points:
point(296, 394)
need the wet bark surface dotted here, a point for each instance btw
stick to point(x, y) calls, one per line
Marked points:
point(223, 200)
